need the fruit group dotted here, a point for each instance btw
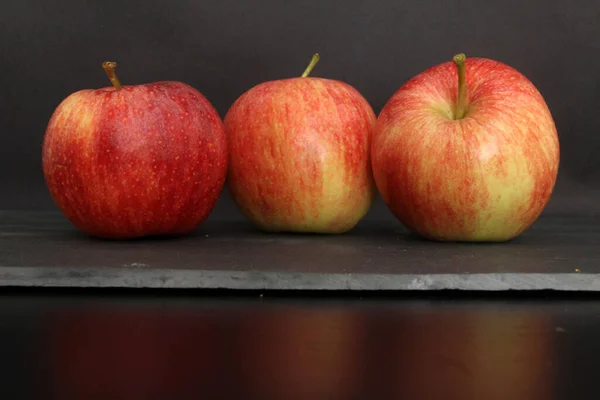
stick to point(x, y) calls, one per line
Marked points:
point(466, 151)
point(131, 161)
point(300, 155)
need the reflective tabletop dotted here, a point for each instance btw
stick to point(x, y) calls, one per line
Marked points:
point(130, 346)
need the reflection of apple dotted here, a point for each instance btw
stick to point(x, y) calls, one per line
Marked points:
point(269, 353)
point(476, 354)
point(129, 161)
point(299, 352)
point(472, 158)
point(299, 155)
point(135, 354)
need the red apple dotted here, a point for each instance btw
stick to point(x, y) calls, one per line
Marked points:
point(300, 154)
point(466, 152)
point(131, 161)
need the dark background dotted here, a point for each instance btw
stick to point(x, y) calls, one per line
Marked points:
point(50, 49)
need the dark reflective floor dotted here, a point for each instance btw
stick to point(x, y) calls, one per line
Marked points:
point(125, 347)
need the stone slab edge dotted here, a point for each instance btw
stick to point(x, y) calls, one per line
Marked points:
point(261, 280)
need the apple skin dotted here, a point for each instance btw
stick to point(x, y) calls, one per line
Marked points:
point(300, 155)
point(486, 177)
point(143, 160)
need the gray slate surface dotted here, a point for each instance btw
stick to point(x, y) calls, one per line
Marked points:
point(43, 249)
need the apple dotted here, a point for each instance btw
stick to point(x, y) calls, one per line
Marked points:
point(299, 153)
point(130, 161)
point(466, 151)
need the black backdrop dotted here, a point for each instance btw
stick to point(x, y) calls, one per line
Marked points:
point(50, 48)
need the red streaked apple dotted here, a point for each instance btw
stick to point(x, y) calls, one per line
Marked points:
point(466, 151)
point(130, 161)
point(300, 154)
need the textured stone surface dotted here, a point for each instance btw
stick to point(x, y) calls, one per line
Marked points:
point(42, 249)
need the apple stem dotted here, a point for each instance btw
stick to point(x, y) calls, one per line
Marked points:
point(311, 66)
point(109, 68)
point(461, 103)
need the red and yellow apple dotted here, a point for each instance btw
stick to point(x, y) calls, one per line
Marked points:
point(131, 161)
point(466, 151)
point(300, 155)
